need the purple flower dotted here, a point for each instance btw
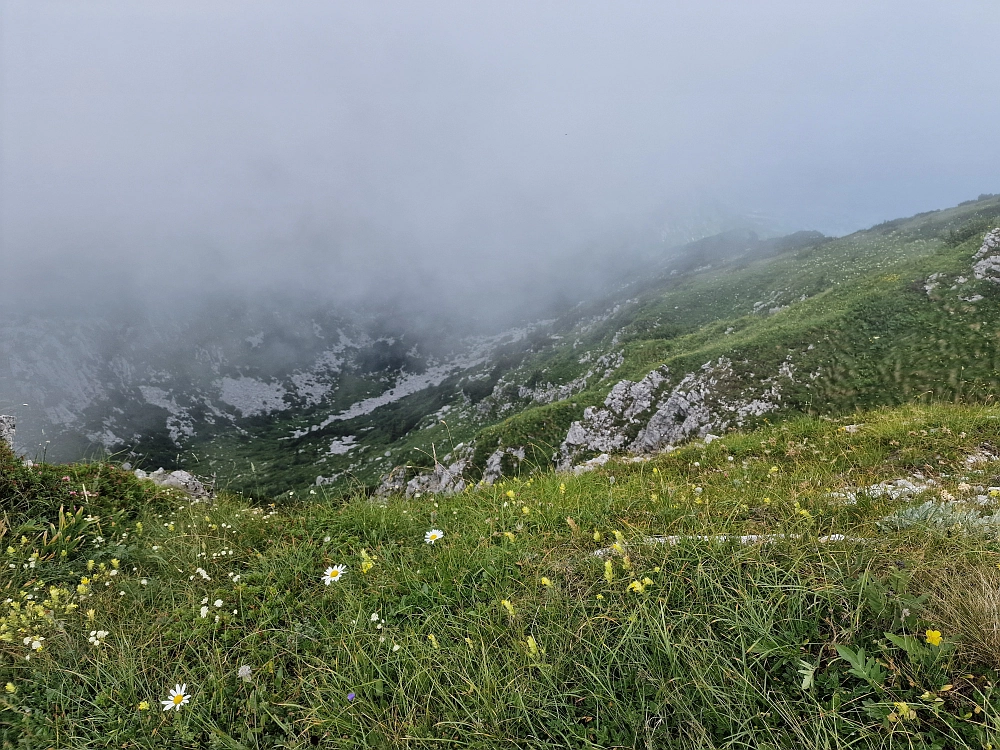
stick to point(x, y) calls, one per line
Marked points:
point(351, 696)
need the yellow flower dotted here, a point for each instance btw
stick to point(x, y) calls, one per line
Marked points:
point(366, 565)
point(626, 563)
point(90, 565)
point(773, 470)
point(115, 562)
point(509, 535)
point(9, 687)
point(510, 494)
point(508, 606)
point(433, 640)
point(525, 509)
point(609, 571)
point(933, 637)
point(636, 587)
point(91, 614)
point(618, 535)
point(545, 581)
point(767, 501)
point(600, 597)
point(647, 581)
point(562, 489)
point(532, 646)
point(654, 497)
point(903, 711)
point(655, 470)
point(143, 705)
point(597, 538)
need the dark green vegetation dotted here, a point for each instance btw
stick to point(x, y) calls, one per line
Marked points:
point(851, 315)
point(510, 631)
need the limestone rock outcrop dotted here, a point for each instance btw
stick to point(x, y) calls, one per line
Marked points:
point(7, 430)
point(649, 415)
point(442, 479)
point(987, 258)
point(178, 480)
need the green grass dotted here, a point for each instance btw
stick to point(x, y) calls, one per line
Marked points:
point(726, 646)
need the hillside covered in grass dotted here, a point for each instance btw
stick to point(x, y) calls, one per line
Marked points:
point(796, 326)
point(815, 583)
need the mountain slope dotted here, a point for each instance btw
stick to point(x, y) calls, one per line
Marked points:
point(727, 331)
point(719, 339)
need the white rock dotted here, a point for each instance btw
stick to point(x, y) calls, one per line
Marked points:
point(987, 258)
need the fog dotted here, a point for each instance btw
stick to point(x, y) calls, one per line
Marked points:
point(463, 158)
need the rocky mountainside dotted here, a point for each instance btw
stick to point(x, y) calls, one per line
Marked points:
point(726, 332)
point(905, 311)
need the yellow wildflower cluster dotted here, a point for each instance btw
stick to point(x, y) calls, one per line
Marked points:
point(639, 587)
point(27, 616)
point(367, 561)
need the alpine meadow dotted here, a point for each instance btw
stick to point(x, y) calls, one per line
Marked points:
point(816, 570)
point(439, 375)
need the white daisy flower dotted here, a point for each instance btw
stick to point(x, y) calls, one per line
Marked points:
point(433, 535)
point(244, 673)
point(178, 697)
point(334, 573)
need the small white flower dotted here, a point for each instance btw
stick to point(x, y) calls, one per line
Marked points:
point(178, 697)
point(334, 573)
point(374, 617)
point(433, 535)
point(244, 673)
point(204, 611)
point(395, 647)
point(218, 602)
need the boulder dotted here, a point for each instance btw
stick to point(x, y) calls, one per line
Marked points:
point(178, 480)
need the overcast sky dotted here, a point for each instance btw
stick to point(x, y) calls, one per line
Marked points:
point(346, 146)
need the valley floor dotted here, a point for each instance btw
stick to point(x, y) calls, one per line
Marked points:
point(818, 583)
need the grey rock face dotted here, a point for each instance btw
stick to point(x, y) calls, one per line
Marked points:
point(393, 483)
point(650, 416)
point(987, 258)
point(494, 468)
point(7, 430)
point(444, 480)
point(178, 480)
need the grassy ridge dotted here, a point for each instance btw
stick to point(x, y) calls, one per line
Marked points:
point(866, 334)
point(697, 644)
